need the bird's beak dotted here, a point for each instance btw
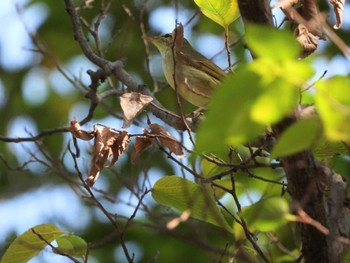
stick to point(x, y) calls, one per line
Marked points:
point(150, 39)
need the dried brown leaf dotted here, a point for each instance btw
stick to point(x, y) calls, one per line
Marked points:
point(307, 40)
point(132, 104)
point(78, 132)
point(284, 3)
point(338, 8)
point(178, 34)
point(119, 146)
point(308, 15)
point(141, 143)
point(166, 139)
point(107, 143)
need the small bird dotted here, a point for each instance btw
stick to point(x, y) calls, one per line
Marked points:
point(195, 76)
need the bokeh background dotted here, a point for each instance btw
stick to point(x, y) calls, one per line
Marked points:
point(35, 96)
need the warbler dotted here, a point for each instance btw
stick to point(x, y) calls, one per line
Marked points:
point(195, 76)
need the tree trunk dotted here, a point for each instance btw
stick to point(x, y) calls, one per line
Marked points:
point(314, 187)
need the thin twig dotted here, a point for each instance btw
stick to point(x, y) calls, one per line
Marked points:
point(178, 98)
point(146, 46)
point(101, 207)
point(227, 46)
point(303, 217)
point(55, 249)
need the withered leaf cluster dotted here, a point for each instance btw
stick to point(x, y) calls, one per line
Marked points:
point(338, 8)
point(309, 21)
point(111, 144)
point(107, 143)
point(156, 135)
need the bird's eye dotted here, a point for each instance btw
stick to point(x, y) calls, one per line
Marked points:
point(167, 35)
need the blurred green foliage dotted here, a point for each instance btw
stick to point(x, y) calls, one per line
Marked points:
point(234, 118)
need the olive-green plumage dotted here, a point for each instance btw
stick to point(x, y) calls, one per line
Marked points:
point(195, 75)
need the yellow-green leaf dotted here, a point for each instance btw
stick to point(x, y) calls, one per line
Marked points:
point(228, 119)
point(270, 106)
point(183, 194)
point(72, 245)
point(333, 104)
point(300, 136)
point(223, 12)
point(29, 244)
point(266, 215)
point(271, 43)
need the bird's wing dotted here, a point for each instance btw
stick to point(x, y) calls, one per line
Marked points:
point(200, 62)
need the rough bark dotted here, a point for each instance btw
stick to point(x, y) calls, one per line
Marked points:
point(321, 194)
point(314, 187)
point(255, 11)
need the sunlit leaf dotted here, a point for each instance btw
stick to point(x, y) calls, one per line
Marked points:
point(72, 245)
point(29, 244)
point(301, 135)
point(223, 12)
point(297, 72)
point(182, 195)
point(267, 214)
point(333, 104)
point(270, 42)
point(271, 106)
point(258, 94)
point(228, 119)
point(210, 168)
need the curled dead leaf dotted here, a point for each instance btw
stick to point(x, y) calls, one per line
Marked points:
point(178, 34)
point(306, 39)
point(284, 4)
point(141, 144)
point(166, 139)
point(78, 132)
point(132, 104)
point(107, 143)
point(119, 146)
point(150, 137)
point(338, 8)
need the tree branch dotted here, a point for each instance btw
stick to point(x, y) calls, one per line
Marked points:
point(308, 179)
point(116, 69)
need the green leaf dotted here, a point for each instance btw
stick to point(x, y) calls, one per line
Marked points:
point(257, 94)
point(341, 165)
point(266, 215)
point(325, 150)
point(72, 245)
point(182, 195)
point(333, 104)
point(270, 107)
point(210, 168)
point(28, 245)
point(301, 135)
point(271, 43)
point(297, 72)
point(223, 12)
point(308, 97)
point(228, 118)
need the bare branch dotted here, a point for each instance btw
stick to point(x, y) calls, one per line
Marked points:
point(103, 210)
point(116, 69)
point(55, 249)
